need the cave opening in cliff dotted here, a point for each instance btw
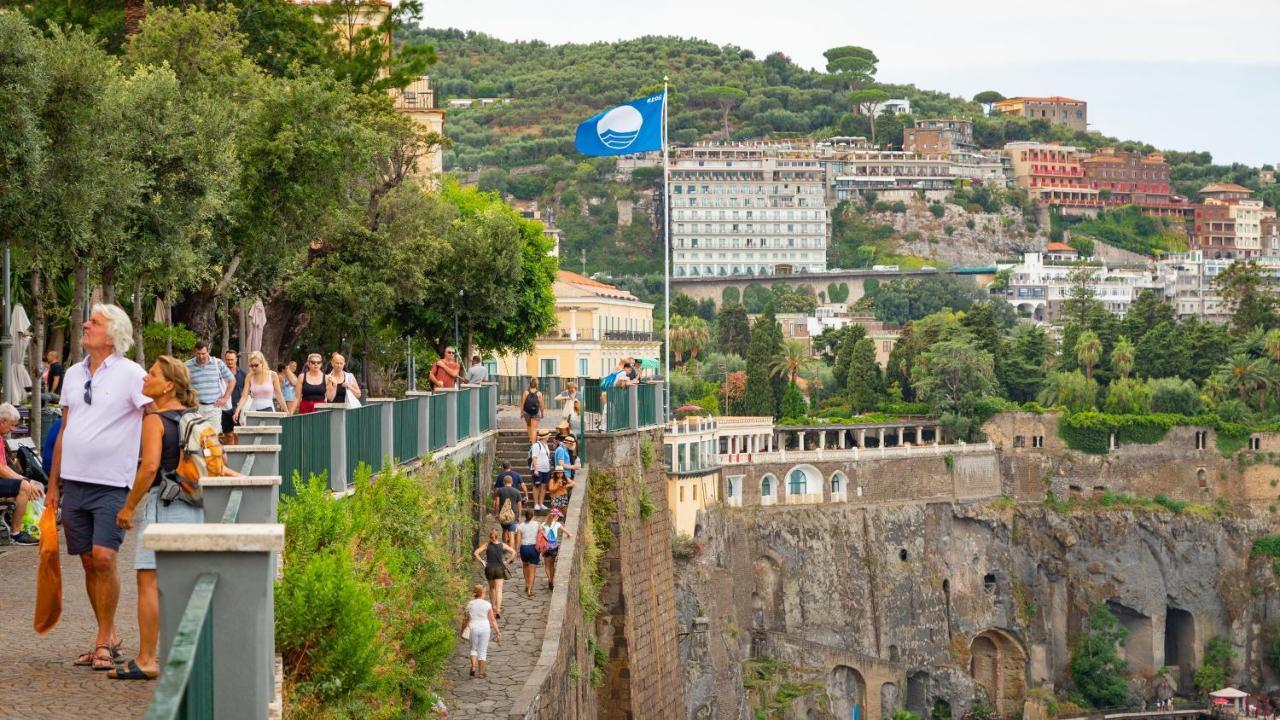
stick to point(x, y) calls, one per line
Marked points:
point(1180, 642)
point(918, 694)
point(1138, 646)
point(846, 690)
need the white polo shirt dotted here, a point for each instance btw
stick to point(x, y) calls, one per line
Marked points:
point(101, 442)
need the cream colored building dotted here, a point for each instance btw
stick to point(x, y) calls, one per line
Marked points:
point(597, 326)
point(418, 101)
point(693, 469)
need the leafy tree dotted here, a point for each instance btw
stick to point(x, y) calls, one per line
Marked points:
point(730, 296)
point(853, 68)
point(988, 100)
point(733, 330)
point(1159, 351)
point(689, 335)
point(865, 102)
point(850, 335)
point(1021, 370)
point(837, 292)
point(1175, 395)
point(726, 97)
point(1072, 390)
point(1245, 290)
point(1096, 668)
point(863, 383)
point(1146, 311)
point(755, 298)
point(1271, 345)
point(1126, 396)
point(1080, 295)
point(683, 304)
point(766, 343)
point(953, 374)
point(358, 51)
point(1215, 671)
point(1088, 350)
point(793, 405)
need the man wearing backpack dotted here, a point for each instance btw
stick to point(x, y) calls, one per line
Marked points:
point(507, 507)
point(540, 466)
point(95, 462)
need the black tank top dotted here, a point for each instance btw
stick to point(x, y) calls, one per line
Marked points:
point(493, 554)
point(314, 393)
point(170, 447)
point(340, 393)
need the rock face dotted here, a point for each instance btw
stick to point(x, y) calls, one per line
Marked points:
point(949, 239)
point(923, 606)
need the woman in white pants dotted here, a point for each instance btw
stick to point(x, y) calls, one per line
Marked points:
point(478, 623)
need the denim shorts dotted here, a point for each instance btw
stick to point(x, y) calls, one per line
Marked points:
point(154, 511)
point(89, 515)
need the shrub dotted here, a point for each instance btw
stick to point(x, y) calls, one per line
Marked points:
point(1175, 395)
point(937, 209)
point(684, 548)
point(898, 207)
point(1216, 668)
point(1095, 667)
point(156, 338)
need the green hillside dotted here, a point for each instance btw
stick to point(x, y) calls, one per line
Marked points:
point(525, 147)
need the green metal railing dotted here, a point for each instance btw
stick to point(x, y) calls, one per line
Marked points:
point(647, 397)
point(589, 396)
point(185, 689)
point(439, 416)
point(464, 412)
point(405, 424)
point(304, 448)
point(617, 409)
point(364, 439)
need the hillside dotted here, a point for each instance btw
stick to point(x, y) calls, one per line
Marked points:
point(525, 147)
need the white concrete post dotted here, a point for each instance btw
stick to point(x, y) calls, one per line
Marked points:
point(451, 417)
point(337, 446)
point(424, 419)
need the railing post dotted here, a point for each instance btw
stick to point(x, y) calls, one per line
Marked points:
point(242, 610)
point(633, 395)
point(260, 497)
point(337, 446)
point(452, 397)
point(473, 397)
point(424, 420)
point(493, 408)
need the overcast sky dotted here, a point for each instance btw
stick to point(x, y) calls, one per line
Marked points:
point(1183, 74)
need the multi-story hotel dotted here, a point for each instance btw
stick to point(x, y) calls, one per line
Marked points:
point(1228, 223)
point(597, 326)
point(1062, 110)
point(1052, 174)
point(1133, 179)
point(747, 210)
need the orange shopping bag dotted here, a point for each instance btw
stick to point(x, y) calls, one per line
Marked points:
point(49, 574)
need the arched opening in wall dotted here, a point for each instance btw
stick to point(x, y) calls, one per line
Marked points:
point(941, 710)
point(989, 582)
point(804, 484)
point(918, 693)
point(893, 653)
point(768, 586)
point(999, 664)
point(847, 692)
point(1138, 646)
point(768, 490)
point(1180, 644)
point(1202, 478)
point(902, 554)
point(889, 700)
point(839, 483)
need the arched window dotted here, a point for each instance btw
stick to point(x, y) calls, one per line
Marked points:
point(799, 483)
point(766, 486)
point(837, 483)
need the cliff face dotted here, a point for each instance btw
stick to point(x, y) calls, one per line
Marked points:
point(913, 605)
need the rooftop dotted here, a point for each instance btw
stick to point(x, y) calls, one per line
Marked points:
point(1224, 187)
point(1052, 98)
point(1059, 247)
point(582, 285)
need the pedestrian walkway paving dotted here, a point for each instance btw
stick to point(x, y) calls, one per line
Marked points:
point(38, 678)
point(523, 624)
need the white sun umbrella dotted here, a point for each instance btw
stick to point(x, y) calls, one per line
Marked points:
point(17, 379)
point(257, 321)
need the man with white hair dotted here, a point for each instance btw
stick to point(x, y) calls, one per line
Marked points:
point(13, 485)
point(95, 461)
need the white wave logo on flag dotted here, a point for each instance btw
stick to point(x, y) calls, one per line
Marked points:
point(619, 127)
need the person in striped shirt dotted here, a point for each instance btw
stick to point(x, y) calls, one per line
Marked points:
point(213, 383)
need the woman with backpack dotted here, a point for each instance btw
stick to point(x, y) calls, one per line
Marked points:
point(169, 386)
point(553, 532)
point(264, 392)
point(495, 555)
point(531, 409)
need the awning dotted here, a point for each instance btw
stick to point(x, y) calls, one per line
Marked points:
point(1229, 693)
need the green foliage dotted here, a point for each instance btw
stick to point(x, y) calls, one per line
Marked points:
point(1215, 670)
point(644, 503)
point(156, 339)
point(366, 608)
point(1175, 396)
point(597, 539)
point(863, 383)
point(646, 453)
point(762, 398)
point(1090, 431)
point(793, 405)
point(1126, 395)
point(1096, 668)
point(901, 301)
point(1128, 229)
point(937, 210)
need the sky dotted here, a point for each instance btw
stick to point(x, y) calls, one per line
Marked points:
point(1179, 74)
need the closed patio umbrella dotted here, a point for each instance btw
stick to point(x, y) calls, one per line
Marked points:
point(16, 376)
point(257, 321)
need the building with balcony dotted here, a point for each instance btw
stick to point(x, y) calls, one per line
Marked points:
point(1128, 178)
point(1227, 223)
point(597, 326)
point(1053, 175)
point(418, 103)
point(747, 210)
point(1039, 286)
point(1056, 109)
point(693, 469)
point(939, 136)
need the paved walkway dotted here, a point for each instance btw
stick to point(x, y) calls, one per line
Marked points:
point(523, 623)
point(37, 678)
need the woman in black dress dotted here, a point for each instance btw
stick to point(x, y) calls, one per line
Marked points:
point(312, 385)
point(495, 555)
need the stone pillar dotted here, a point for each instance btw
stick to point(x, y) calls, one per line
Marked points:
point(800, 440)
point(840, 439)
point(862, 438)
point(936, 433)
point(452, 398)
point(573, 323)
point(822, 439)
point(634, 392)
point(474, 398)
point(882, 438)
point(919, 435)
point(337, 446)
point(259, 497)
point(424, 419)
point(387, 408)
point(770, 442)
point(241, 610)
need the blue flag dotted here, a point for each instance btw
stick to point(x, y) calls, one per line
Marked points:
point(631, 128)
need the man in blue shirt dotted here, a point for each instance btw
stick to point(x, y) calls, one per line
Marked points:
point(561, 457)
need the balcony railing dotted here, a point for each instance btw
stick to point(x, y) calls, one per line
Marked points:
point(632, 336)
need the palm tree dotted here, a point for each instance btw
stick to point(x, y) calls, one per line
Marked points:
point(135, 11)
point(1271, 344)
point(793, 358)
point(1245, 374)
point(1122, 357)
point(688, 335)
point(1265, 373)
point(1088, 351)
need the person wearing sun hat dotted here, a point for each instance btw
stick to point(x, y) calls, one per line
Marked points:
point(554, 532)
point(558, 489)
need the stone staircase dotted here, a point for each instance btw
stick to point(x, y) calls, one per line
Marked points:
point(513, 447)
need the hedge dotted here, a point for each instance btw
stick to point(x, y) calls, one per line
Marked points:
point(1090, 431)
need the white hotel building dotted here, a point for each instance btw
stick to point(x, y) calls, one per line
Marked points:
point(747, 210)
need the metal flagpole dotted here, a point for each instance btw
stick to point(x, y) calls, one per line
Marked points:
point(666, 259)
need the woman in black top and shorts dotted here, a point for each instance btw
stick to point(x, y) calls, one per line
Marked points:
point(495, 555)
point(312, 385)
